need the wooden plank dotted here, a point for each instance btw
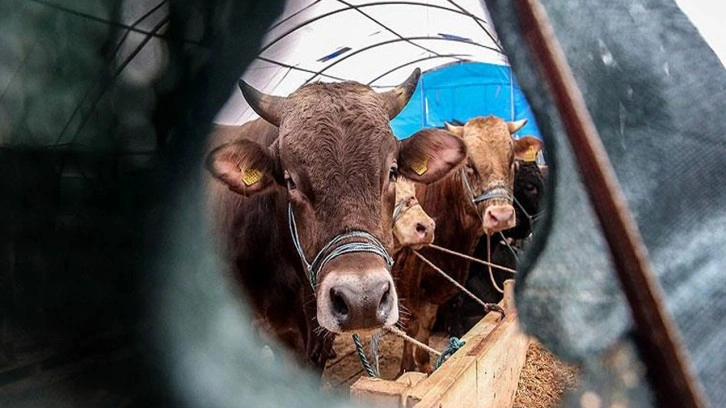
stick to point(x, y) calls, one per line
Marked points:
point(379, 393)
point(384, 393)
point(457, 376)
point(454, 384)
point(500, 366)
point(483, 373)
point(411, 378)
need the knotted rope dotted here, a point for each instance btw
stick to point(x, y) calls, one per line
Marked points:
point(488, 307)
point(491, 273)
point(454, 344)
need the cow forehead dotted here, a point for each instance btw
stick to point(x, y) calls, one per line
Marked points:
point(335, 124)
point(488, 141)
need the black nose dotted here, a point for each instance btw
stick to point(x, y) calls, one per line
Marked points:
point(360, 306)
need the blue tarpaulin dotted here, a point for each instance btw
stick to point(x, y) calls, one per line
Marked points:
point(461, 91)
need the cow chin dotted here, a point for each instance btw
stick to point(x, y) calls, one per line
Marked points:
point(351, 299)
point(416, 242)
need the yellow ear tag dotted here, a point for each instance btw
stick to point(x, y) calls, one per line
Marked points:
point(531, 155)
point(251, 176)
point(420, 165)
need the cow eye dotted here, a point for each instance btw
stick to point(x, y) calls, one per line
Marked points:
point(290, 183)
point(531, 188)
point(410, 201)
point(393, 174)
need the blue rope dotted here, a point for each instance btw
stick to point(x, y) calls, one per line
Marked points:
point(454, 344)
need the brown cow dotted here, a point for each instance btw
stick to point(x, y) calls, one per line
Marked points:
point(304, 204)
point(465, 205)
point(412, 227)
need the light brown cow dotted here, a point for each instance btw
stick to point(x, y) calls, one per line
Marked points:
point(304, 201)
point(412, 227)
point(465, 205)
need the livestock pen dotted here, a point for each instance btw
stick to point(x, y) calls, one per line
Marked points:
point(110, 286)
point(490, 370)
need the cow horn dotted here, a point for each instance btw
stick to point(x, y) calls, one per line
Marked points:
point(515, 126)
point(398, 97)
point(267, 106)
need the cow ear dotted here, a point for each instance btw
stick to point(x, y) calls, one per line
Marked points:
point(457, 130)
point(526, 148)
point(244, 166)
point(430, 154)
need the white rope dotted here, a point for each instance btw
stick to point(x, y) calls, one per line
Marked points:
point(471, 258)
point(375, 348)
point(491, 273)
point(487, 306)
point(406, 337)
point(505, 241)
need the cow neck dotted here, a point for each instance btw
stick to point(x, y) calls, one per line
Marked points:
point(357, 241)
point(447, 202)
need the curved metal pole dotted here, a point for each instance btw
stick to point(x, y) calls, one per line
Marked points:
point(395, 40)
point(328, 14)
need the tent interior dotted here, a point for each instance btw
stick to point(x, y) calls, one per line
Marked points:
point(110, 291)
point(465, 70)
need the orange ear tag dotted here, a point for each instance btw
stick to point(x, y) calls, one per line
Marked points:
point(251, 176)
point(531, 155)
point(420, 165)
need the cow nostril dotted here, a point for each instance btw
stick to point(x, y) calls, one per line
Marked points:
point(420, 228)
point(385, 303)
point(340, 307)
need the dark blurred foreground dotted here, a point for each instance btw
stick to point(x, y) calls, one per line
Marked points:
point(110, 297)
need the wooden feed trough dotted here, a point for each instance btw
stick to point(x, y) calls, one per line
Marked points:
point(483, 373)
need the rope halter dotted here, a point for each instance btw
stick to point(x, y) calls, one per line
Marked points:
point(361, 241)
point(498, 190)
point(401, 208)
point(533, 217)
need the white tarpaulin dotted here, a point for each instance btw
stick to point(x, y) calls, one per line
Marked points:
point(374, 42)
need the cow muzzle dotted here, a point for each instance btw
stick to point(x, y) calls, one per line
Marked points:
point(498, 217)
point(357, 294)
point(415, 229)
point(353, 299)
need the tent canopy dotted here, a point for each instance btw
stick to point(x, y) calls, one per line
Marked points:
point(462, 91)
point(379, 43)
